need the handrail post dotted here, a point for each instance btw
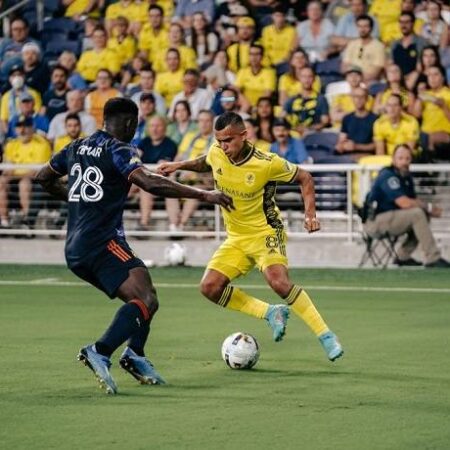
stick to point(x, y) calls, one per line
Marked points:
point(349, 206)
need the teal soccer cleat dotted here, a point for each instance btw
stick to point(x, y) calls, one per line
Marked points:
point(140, 368)
point(277, 316)
point(331, 345)
point(99, 364)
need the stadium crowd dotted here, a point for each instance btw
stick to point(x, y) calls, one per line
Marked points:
point(359, 76)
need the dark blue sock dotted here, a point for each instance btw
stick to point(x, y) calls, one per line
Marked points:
point(128, 320)
point(137, 340)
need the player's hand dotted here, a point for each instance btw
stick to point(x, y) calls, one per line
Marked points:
point(311, 224)
point(166, 168)
point(219, 198)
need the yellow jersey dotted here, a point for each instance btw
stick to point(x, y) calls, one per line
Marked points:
point(403, 95)
point(37, 151)
point(278, 43)
point(407, 130)
point(125, 49)
point(63, 141)
point(345, 103)
point(188, 59)
point(5, 106)
point(387, 13)
point(78, 6)
point(433, 117)
point(153, 42)
point(91, 62)
point(392, 31)
point(251, 184)
point(293, 87)
point(168, 84)
point(253, 86)
point(134, 12)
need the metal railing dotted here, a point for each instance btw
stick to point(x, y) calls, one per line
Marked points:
point(5, 15)
point(342, 221)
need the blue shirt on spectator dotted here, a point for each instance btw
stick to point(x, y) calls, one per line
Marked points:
point(359, 129)
point(346, 27)
point(295, 153)
point(151, 154)
point(40, 123)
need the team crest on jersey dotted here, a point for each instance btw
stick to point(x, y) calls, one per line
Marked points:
point(394, 183)
point(250, 178)
point(135, 160)
point(219, 171)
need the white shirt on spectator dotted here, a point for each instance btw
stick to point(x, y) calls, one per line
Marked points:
point(58, 125)
point(200, 99)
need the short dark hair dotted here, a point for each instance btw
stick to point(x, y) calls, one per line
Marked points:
point(228, 119)
point(61, 68)
point(260, 47)
point(398, 97)
point(185, 103)
point(156, 7)
point(410, 14)
point(193, 72)
point(365, 17)
point(72, 116)
point(404, 145)
point(119, 106)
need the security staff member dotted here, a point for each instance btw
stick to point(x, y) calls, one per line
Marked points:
point(398, 211)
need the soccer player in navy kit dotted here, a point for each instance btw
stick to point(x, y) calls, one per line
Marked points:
point(101, 169)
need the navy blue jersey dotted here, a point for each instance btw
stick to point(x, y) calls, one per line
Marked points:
point(98, 168)
point(389, 186)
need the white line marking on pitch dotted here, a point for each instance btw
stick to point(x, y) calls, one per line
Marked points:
point(54, 282)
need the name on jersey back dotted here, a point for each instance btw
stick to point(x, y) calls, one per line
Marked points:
point(89, 151)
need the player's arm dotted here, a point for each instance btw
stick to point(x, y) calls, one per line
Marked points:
point(306, 182)
point(164, 187)
point(194, 165)
point(50, 180)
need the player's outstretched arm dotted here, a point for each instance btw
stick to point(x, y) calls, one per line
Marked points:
point(306, 182)
point(161, 186)
point(194, 165)
point(51, 182)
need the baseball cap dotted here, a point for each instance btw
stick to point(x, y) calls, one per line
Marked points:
point(25, 121)
point(26, 97)
point(16, 68)
point(354, 69)
point(280, 122)
point(245, 21)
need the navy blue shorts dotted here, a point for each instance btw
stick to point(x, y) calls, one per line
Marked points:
point(109, 267)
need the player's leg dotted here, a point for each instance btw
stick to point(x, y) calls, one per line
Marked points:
point(277, 277)
point(173, 212)
point(25, 187)
point(190, 205)
point(228, 263)
point(146, 202)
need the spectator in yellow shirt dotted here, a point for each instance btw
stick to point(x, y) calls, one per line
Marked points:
point(279, 39)
point(96, 99)
point(100, 57)
point(120, 42)
point(433, 106)
point(394, 128)
point(238, 53)
point(135, 12)
point(154, 36)
point(169, 83)
point(77, 9)
point(27, 148)
point(73, 129)
point(255, 81)
point(386, 12)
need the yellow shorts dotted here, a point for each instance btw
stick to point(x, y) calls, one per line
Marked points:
point(238, 255)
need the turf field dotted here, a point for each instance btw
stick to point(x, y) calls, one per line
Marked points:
point(390, 391)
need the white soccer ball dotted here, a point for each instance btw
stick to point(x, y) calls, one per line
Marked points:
point(175, 254)
point(240, 351)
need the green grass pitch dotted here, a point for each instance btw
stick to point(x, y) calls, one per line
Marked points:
point(389, 391)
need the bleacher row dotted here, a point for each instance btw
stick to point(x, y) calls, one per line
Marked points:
point(236, 27)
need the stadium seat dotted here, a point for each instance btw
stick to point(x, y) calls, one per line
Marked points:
point(61, 24)
point(323, 140)
point(375, 88)
point(329, 71)
point(57, 47)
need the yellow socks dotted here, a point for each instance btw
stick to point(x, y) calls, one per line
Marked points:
point(234, 298)
point(302, 305)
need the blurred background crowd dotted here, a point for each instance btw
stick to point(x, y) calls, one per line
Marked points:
point(336, 81)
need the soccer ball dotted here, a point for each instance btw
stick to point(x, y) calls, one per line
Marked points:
point(175, 254)
point(240, 351)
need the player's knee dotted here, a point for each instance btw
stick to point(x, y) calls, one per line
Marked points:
point(150, 300)
point(211, 289)
point(281, 286)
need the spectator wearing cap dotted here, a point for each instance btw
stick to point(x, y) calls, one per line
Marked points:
point(27, 148)
point(100, 57)
point(365, 52)
point(315, 33)
point(394, 128)
point(238, 52)
point(188, 58)
point(170, 82)
point(187, 8)
point(356, 136)
point(181, 123)
point(154, 149)
point(37, 74)
point(11, 47)
point(279, 39)
point(308, 111)
point(255, 81)
point(147, 109)
point(146, 86)
point(73, 131)
point(27, 109)
point(197, 97)
point(54, 100)
point(346, 28)
point(75, 104)
point(342, 104)
point(96, 99)
point(290, 148)
point(154, 35)
point(10, 102)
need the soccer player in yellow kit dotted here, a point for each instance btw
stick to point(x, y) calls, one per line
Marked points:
point(255, 234)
